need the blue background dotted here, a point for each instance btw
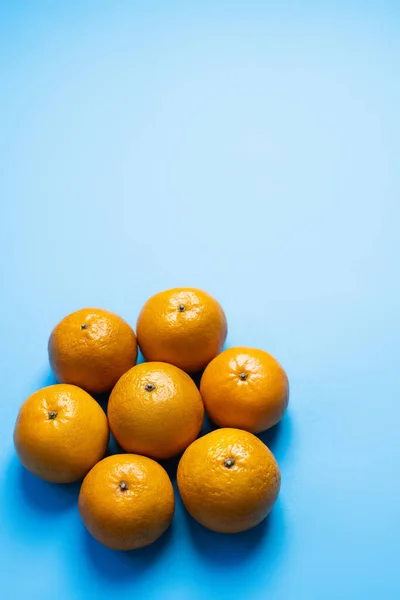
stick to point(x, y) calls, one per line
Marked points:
point(250, 149)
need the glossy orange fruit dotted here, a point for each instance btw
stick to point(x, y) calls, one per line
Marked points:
point(60, 433)
point(127, 501)
point(245, 388)
point(155, 409)
point(183, 326)
point(228, 480)
point(92, 348)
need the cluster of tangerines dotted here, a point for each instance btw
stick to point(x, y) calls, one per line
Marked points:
point(228, 479)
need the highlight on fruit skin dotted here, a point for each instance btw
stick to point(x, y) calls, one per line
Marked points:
point(228, 480)
point(245, 388)
point(127, 501)
point(61, 432)
point(155, 409)
point(185, 327)
point(92, 348)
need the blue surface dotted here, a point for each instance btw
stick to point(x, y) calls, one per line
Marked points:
point(251, 149)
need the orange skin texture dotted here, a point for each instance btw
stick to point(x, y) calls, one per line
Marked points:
point(132, 517)
point(231, 498)
point(156, 410)
point(92, 348)
point(183, 326)
point(64, 448)
point(245, 388)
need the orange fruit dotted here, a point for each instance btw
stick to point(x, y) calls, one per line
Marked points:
point(183, 326)
point(92, 348)
point(155, 409)
point(127, 501)
point(228, 480)
point(245, 388)
point(60, 433)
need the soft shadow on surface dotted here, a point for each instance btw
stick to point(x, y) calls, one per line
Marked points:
point(228, 549)
point(140, 358)
point(207, 427)
point(31, 508)
point(114, 565)
point(48, 497)
point(278, 438)
point(197, 377)
point(102, 399)
point(113, 447)
point(271, 436)
point(171, 465)
point(46, 379)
